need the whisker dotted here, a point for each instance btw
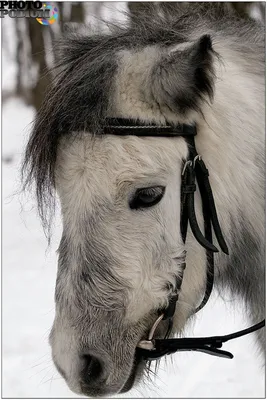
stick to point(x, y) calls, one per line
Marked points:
point(48, 372)
point(42, 362)
point(43, 369)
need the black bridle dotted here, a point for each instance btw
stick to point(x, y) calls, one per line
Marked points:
point(194, 171)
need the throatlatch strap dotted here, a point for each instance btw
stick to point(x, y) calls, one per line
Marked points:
point(202, 240)
point(209, 254)
point(203, 180)
point(198, 168)
point(195, 170)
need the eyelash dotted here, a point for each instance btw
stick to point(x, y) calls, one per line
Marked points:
point(154, 195)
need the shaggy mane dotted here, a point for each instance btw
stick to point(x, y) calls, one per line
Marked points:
point(78, 98)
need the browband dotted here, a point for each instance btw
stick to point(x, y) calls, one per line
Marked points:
point(130, 127)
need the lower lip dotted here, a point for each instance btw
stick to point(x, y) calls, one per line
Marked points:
point(130, 381)
point(137, 361)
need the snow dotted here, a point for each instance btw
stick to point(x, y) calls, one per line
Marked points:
point(28, 281)
point(29, 274)
point(9, 67)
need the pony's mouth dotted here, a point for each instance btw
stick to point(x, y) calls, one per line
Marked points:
point(139, 363)
point(136, 374)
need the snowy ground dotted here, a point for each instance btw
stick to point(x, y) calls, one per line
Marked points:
point(29, 274)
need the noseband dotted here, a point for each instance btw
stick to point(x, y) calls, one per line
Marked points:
point(193, 171)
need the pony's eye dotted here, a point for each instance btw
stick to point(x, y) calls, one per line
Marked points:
point(147, 197)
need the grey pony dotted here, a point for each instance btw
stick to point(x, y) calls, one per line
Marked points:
point(189, 64)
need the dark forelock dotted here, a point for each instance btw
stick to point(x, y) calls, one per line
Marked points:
point(79, 94)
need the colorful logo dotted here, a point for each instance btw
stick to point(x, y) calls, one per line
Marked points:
point(53, 14)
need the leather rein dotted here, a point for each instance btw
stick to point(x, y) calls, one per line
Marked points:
point(193, 171)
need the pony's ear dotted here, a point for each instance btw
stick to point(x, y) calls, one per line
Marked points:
point(183, 79)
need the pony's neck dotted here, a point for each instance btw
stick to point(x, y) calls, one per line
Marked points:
point(230, 139)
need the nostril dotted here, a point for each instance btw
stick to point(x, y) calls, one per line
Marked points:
point(92, 370)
